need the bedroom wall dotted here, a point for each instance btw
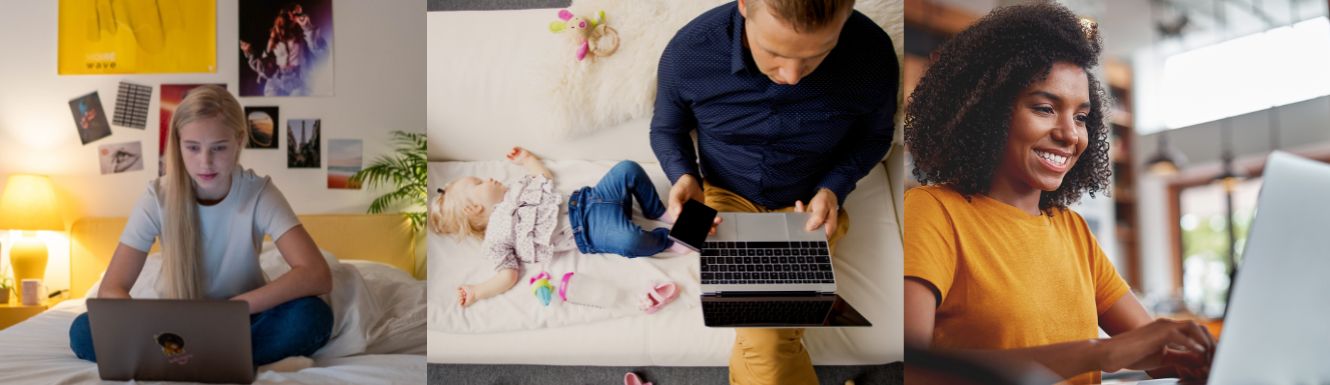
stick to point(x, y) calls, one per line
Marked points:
point(379, 68)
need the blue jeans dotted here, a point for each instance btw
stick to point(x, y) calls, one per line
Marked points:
point(601, 215)
point(298, 327)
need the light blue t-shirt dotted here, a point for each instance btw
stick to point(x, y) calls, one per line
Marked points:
point(231, 231)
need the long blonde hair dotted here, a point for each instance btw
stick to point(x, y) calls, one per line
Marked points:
point(181, 242)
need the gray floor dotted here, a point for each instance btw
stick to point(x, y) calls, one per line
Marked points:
point(482, 5)
point(451, 374)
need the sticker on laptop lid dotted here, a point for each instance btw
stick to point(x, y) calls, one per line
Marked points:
point(173, 347)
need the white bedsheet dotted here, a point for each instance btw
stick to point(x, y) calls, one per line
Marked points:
point(380, 341)
point(868, 269)
point(518, 309)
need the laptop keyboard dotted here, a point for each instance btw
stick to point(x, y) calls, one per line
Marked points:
point(765, 262)
point(733, 313)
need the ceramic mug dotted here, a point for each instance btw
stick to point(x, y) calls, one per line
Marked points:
point(32, 292)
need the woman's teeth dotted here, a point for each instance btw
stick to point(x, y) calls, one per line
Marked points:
point(1051, 157)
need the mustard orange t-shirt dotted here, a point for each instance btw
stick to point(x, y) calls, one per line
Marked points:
point(1007, 279)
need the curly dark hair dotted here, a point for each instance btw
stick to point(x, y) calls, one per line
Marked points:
point(958, 116)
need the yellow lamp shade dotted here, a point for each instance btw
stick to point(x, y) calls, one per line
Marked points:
point(29, 204)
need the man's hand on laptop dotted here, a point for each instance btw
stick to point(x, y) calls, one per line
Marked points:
point(685, 188)
point(825, 210)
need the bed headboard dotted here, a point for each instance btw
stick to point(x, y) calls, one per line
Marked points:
point(385, 238)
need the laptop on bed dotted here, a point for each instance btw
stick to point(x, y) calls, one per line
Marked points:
point(763, 270)
point(171, 340)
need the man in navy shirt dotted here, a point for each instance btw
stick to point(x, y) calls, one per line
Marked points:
point(792, 103)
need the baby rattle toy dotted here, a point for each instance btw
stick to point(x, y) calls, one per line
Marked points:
point(593, 37)
point(541, 287)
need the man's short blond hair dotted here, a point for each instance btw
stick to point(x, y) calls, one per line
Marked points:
point(805, 15)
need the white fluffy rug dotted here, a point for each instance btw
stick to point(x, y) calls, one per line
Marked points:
point(593, 94)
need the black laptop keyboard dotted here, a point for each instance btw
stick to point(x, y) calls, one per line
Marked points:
point(765, 262)
point(758, 312)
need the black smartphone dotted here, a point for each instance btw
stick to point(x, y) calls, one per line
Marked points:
point(693, 224)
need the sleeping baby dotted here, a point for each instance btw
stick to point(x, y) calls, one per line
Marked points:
point(520, 223)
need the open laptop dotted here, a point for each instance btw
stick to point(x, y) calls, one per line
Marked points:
point(1275, 329)
point(171, 340)
point(763, 270)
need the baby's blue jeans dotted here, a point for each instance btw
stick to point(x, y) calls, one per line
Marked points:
point(601, 215)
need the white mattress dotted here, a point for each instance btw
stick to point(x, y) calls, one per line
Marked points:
point(36, 351)
point(868, 269)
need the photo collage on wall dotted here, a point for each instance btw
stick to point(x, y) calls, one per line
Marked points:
point(172, 94)
point(89, 118)
point(286, 50)
point(116, 158)
point(262, 127)
point(131, 105)
point(90, 121)
point(302, 143)
point(149, 37)
point(344, 160)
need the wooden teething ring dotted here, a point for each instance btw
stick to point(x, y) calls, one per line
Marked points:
point(605, 40)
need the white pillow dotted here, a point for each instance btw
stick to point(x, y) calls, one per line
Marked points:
point(145, 286)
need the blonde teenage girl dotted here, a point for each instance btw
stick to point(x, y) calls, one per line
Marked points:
point(211, 215)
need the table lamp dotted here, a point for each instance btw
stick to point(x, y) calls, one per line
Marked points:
point(28, 204)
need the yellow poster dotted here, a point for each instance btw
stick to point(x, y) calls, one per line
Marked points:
point(137, 36)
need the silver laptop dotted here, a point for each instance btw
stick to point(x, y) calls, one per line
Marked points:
point(1275, 329)
point(765, 270)
point(171, 340)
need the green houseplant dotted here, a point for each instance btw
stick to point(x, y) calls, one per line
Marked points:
point(405, 171)
point(6, 285)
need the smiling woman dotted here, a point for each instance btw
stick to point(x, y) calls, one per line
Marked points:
point(1047, 135)
point(1007, 129)
point(960, 144)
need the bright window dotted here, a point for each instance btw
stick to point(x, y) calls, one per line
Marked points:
point(1204, 224)
point(1250, 73)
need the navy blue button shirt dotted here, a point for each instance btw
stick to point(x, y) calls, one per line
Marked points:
point(773, 144)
